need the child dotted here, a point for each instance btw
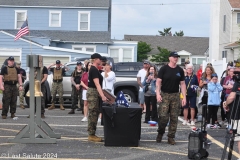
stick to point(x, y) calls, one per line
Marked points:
point(214, 100)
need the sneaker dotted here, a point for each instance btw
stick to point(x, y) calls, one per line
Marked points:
point(171, 141)
point(159, 138)
point(84, 119)
point(219, 125)
point(214, 126)
point(192, 123)
point(99, 120)
point(94, 138)
point(208, 125)
point(184, 122)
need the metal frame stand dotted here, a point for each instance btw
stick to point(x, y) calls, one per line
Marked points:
point(37, 131)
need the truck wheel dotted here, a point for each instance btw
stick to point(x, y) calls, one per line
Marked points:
point(129, 95)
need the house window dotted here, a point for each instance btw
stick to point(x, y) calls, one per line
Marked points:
point(182, 60)
point(127, 55)
point(197, 60)
point(84, 21)
point(121, 54)
point(55, 18)
point(114, 53)
point(238, 18)
point(84, 48)
point(224, 54)
point(224, 23)
point(20, 17)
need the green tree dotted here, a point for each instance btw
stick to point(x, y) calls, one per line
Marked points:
point(166, 32)
point(162, 56)
point(143, 49)
point(180, 33)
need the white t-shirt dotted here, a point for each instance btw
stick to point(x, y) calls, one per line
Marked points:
point(142, 73)
point(108, 81)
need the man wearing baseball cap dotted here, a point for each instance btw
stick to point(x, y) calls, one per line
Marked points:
point(23, 76)
point(169, 78)
point(76, 89)
point(11, 77)
point(140, 78)
point(57, 85)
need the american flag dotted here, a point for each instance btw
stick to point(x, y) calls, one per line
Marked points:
point(24, 30)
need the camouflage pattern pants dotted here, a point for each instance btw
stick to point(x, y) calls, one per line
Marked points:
point(168, 111)
point(21, 95)
point(76, 95)
point(57, 88)
point(93, 110)
point(9, 99)
point(43, 98)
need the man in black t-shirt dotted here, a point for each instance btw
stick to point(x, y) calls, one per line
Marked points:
point(228, 105)
point(23, 76)
point(57, 85)
point(169, 78)
point(10, 76)
point(76, 88)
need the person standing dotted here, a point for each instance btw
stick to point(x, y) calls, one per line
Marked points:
point(84, 84)
point(94, 91)
point(191, 83)
point(140, 78)
point(199, 73)
point(23, 76)
point(109, 78)
point(76, 87)
point(169, 78)
point(57, 86)
point(214, 100)
point(9, 77)
point(149, 90)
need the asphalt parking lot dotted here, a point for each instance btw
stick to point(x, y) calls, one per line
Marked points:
point(74, 144)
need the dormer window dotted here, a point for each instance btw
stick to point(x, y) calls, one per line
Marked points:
point(83, 21)
point(55, 18)
point(20, 17)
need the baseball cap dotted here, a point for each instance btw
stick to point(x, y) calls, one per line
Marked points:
point(174, 54)
point(103, 58)
point(58, 61)
point(79, 62)
point(18, 63)
point(11, 58)
point(96, 55)
point(230, 63)
point(214, 75)
point(146, 62)
point(109, 63)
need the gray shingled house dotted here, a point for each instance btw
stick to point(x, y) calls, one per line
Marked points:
point(193, 48)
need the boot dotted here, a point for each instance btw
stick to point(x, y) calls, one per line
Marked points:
point(51, 107)
point(22, 106)
point(12, 115)
point(171, 141)
point(94, 138)
point(42, 116)
point(4, 117)
point(159, 138)
point(71, 112)
point(61, 107)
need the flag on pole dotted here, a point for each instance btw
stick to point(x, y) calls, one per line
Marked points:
point(23, 30)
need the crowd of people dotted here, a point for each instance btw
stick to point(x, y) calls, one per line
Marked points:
point(172, 89)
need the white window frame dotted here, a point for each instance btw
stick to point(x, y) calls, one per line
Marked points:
point(84, 47)
point(79, 20)
point(224, 22)
point(197, 59)
point(16, 12)
point(120, 51)
point(50, 18)
point(238, 13)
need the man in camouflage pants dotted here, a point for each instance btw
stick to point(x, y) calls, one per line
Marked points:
point(23, 76)
point(169, 78)
point(10, 76)
point(57, 86)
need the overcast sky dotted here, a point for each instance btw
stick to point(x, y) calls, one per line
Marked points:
point(191, 16)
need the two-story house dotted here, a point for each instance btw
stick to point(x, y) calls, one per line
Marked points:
point(60, 29)
point(224, 30)
point(193, 48)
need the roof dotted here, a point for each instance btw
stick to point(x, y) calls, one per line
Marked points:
point(69, 36)
point(234, 3)
point(194, 45)
point(56, 3)
point(232, 45)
